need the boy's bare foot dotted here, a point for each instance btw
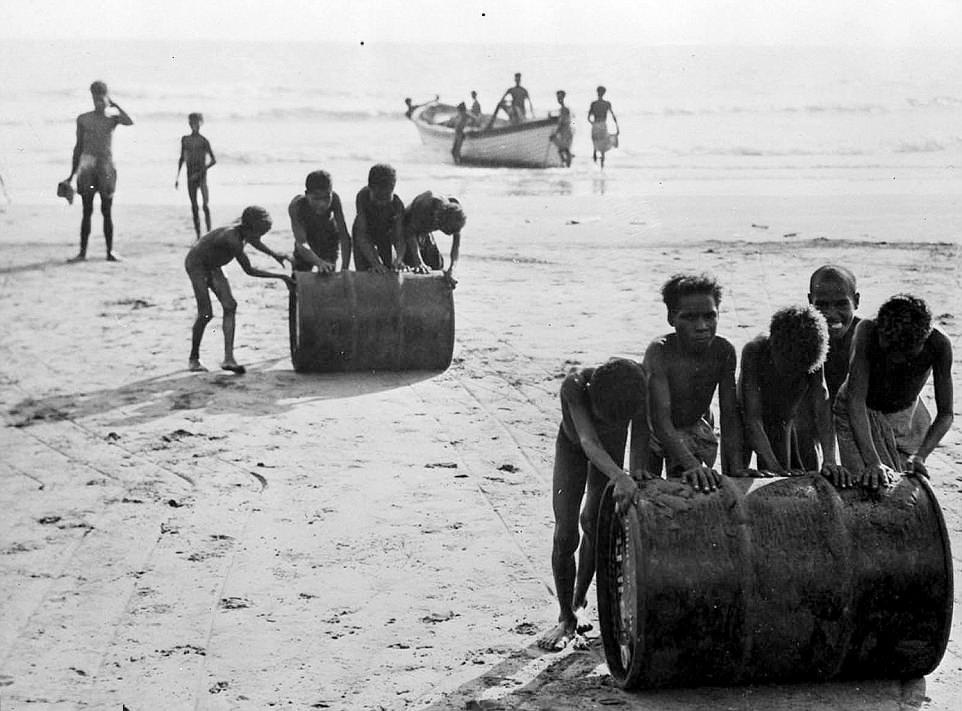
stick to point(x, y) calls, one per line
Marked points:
point(114, 257)
point(233, 367)
point(196, 366)
point(563, 634)
point(78, 258)
point(582, 623)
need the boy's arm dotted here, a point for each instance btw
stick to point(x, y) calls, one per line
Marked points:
point(301, 246)
point(361, 240)
point(857, 385)
point(730, 421)
point(77, 148)
point(944, 402)
point(122, 118)
point(253, 271)
point(614, 118)
point(825, 426)
point(751, 402)
point(180, 162)
point(345, 236)
point(210, 152)
point(261, 247)
point(638, 446)
point(659, 404)
point(625, 487)
point(455, 251)
point(397, 240)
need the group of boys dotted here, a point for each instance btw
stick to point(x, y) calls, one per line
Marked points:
point(819, 376)
point(386, 236)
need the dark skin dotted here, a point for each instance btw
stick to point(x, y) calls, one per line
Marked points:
point(682, 382)
point(765, 379)
point(204, 261)
point(194, 150)
point(569, 484)
point(321, 202)
point(877, 474)
point(380, 195)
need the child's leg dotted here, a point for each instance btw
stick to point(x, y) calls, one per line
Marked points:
point(586, 554)
point(192, 187)
point(199, 281)
point(88, 211)
point(568, 486)
point(221, 288)
point(205, 194)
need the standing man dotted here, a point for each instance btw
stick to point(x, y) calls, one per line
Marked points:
point(598, 118)
point(518, 96)
point(93, 165)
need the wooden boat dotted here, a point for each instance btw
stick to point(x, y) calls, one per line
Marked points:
point(524, 145)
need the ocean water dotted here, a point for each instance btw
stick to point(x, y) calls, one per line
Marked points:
point(694, 120)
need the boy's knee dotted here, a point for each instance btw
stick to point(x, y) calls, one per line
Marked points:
point(230, 306)
point(205, 315)
point(566, 540)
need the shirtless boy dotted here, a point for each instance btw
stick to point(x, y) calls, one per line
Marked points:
point(883, 427)
point(203, 264)
point(317, 221)
point(596, 406)
point(780, 371)
point(194, 149)
point(93, 164)
point(833, 291)
point(563, 134)
point(378, 229)
point(426, 213)
point(683, 370)
point(598, 118)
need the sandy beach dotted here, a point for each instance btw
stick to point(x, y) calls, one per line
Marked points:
point(173, 540)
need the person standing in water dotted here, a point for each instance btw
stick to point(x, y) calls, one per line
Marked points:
point(598, 118)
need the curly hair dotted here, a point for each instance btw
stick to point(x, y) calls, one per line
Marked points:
point(381, 175)
point(317, 180)
point(451, 218)
point(617, 389)
point(904, 321)
point(798, 337)
point(256, 218)
point(680, 285)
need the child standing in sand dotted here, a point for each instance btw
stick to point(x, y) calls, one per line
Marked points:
point(684, 368)
point(428, 212)
point(883, 426)
point(203, 264)
point(378, 229)
point(194, 149)
point(779, 372)
point(597, 405)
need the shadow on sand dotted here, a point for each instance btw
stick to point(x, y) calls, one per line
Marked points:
point(530, 679)
point(261, 391)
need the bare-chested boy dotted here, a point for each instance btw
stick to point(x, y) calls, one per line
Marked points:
point(378, 228)
point(426, 213)
point(833, 291)
point(203, 264)
point(780, 371)
point(597, 404)
point(317, 221)
point(194, 149)
point(93, 164)
point(882, 425)
point(683, 370)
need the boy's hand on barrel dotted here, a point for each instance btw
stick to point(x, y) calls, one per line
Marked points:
point(379, 268)
point(625, 493)
point(916, 467)
point(877, 475)
point(326, 267)
point(452, 282)
point(289, 280)
point(280, 258)
point(702, 478)
point(837, 474)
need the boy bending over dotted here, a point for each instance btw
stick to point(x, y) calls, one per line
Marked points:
point(426, 213)
point(317, 221)
point(883, 427)
point(378, 227)
point(780, 372)
point(596, 406)
point(683, 370)
point(203, 264)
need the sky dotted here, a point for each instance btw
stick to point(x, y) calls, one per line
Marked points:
point(923, 23)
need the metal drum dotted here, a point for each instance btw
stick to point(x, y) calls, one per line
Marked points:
point(365, 321)
point(765, 580)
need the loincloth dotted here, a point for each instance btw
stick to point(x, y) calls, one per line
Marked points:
point(699, 439)
point(896, 435)
point(96, 175)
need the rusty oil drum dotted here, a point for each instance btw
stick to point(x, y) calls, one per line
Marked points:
point(352, 321)
point(773, 580)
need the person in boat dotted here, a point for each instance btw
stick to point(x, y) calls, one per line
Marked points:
point(563, 133)
point(378, 229)
point(427, 213)
point(598, 118)
point(194, 149)
point(833, 291)
point(683, 369)
point(317, 221)
point(781, 373)
point(412, 107)
point(203, 265)
point(93, 164)
point(883, 426)
point(597, 405)
point(519, 95)
point(475, 105)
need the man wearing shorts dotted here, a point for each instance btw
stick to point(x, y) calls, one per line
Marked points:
point(94, 166)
